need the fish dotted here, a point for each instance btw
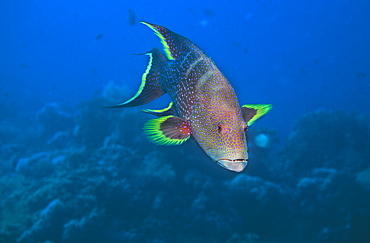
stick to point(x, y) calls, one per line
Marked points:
point(203, 104)
point(131, 17)
point(98, 37)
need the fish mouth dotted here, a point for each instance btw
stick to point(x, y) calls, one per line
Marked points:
point(236, 165)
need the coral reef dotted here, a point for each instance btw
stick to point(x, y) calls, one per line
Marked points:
point(93, 177)
point(330, 139)
point(52, 118)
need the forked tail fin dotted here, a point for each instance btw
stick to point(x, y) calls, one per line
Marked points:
point(150, 87)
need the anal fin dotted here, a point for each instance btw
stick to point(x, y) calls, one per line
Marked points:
point(169, 110)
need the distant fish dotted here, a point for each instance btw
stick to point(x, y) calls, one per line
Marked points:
point(236, 44)
point(204, 105)
point(209, 12)
point(24, 65)
point(131, 17)
point(360, 74)
point(303, 71)
point(98, 37)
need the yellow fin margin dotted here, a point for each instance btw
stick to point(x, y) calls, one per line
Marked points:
point(143, 79)
point(166, 47)
point(159, 111)
point(261, 109)
point(152, 129)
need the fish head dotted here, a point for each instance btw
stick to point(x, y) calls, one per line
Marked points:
point(221, 133)
point(230, 148)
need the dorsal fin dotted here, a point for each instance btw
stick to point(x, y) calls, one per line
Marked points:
point(174, 44)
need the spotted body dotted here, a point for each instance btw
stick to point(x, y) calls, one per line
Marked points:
point(204, 104)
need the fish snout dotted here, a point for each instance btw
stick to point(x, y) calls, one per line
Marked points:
point(236, 165)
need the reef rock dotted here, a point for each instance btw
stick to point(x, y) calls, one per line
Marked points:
point(53, 118)
point(330, 203)
point(262, 204)
point(48, 227)
point(327, 139)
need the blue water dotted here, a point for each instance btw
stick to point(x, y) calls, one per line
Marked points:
point(310, 59)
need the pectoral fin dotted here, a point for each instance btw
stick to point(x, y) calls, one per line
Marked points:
point(167, 130)
point(252, 112)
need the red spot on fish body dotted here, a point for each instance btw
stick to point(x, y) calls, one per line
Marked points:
point(185, 129)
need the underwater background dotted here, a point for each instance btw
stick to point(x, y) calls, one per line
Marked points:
point(74, 171)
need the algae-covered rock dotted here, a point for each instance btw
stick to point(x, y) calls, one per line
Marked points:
point(49, 225)
point(86, 229)
point(363, 178)
point(258, 200)
point(52, 118)
point(327, 139)
point(330, 204)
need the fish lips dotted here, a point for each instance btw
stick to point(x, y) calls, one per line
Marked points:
point(236, 165)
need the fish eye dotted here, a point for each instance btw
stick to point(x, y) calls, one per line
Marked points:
point(219, 128)
point(246, 129)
